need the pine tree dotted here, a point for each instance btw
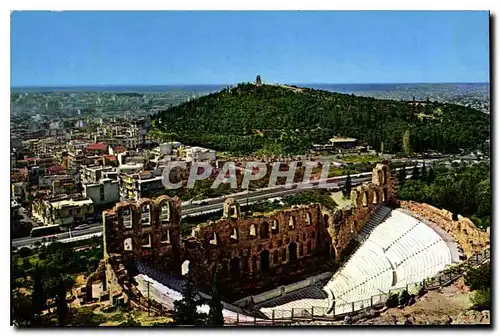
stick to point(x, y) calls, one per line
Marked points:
point(406, 142)
point(415, 174)
point(423, 173)
point(38, 297)
point(215, 316)
point(185, 310)
point(347, 186)
point(402, 176)
point(431, 175)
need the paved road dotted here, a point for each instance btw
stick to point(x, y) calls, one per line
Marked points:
point(215, 204)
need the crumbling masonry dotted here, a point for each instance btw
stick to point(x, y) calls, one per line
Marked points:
point(241, 252)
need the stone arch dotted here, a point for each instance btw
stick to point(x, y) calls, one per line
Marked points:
point(385, 175)
point(364, 197)
point(234, 235)
point(185, 267)
point(264, 261)
point(146, 240)
point(165, 210)
point(283, 255)
point(291, 223)
point(214, 240)
point(375, 196)
point(354, 198)
point(292, 252)
point(276, 257)
point(235, 268)
point(308, 218)
point(128, 244)
point(165, 236)
point(326, 219)
point(245, 265)
point(275, 228)
point(145, 208)
point(309, 247)
point(223, 271)
point(253, 231)
point(264, 230)
point(127, 217)
point(254, 264)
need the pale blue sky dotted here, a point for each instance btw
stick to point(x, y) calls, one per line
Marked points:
point(141, 48)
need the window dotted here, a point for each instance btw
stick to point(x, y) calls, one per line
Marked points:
point(127, 244)
point(165, 211)
point(213, 241)
point(264, 230)
point(253, 232)
point(283, 255)
point(145, 215)
point(291, 223)
point(308, 218)
point(127, 218)
point(234, 236)
point(165, 237)
point(146, 240)
point(275, 227)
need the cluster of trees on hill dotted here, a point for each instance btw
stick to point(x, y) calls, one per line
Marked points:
point(248, 118)
point(461, 189)
point(41, 279)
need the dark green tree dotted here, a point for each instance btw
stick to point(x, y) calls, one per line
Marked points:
point(423, 173)
point(185, 310)
point(347, 186)
point(215, 316)
point(431, 175)
point(402, 176)
point(415, 173)
point(38, 296)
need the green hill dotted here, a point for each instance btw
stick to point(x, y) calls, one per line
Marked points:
point(278, 119)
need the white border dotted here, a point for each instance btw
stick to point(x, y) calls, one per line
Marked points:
point(7, 6)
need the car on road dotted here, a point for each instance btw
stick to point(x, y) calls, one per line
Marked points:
point(81, 227)
point(203, 203)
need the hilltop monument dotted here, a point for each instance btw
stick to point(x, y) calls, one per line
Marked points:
point(258, 81)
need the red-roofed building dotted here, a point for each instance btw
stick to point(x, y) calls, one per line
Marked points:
point(97, 148)
point(55, 170)
point(119, 149)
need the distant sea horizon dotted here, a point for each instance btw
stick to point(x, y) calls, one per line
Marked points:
point(337, 87)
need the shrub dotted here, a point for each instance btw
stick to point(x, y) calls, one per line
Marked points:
point(479, 277)
point(24, 252)
point(481, 299)
point(403, 297)
point(392, 301)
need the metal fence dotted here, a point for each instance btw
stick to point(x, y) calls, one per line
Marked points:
point(339, 311)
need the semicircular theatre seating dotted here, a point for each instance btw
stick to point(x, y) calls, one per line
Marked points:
point(400, 251)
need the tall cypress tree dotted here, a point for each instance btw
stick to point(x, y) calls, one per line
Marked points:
point(423, 173)
point(415, 174)
point(402, 176)
point(185, 310)
point(215, 316)
point(38, 297)
point(348, 186)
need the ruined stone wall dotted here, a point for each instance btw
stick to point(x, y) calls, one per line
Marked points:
point(238, 249)
point(344, 224)
point(147, 230)
point(240, 246)
point(463, 230)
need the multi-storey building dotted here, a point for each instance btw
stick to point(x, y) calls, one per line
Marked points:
point(65, 211)
point(105, 192)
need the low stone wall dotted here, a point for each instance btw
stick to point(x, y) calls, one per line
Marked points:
point(466, 234)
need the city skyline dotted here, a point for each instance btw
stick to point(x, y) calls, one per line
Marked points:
point(123, 48)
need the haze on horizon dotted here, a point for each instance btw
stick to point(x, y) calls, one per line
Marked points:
point(174, 48)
